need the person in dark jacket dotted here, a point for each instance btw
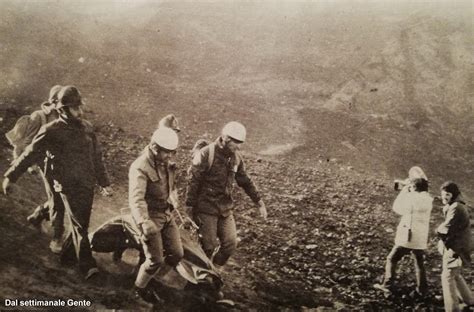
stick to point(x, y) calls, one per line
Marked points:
point(455, 245)
point(74, 162)
point(209, 191)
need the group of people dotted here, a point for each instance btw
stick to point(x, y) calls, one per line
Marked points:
point(58, 141)
point(414, 205)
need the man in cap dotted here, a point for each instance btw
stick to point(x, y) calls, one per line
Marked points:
point(74, 163)
point(209, 192)
point(152, 198)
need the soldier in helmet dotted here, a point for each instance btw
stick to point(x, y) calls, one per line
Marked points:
point(152, 198)
point(74, 162)
point(209, 192)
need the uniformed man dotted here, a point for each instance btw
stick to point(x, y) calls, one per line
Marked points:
point(152, 198)
point(74, 160)
point(209, 192)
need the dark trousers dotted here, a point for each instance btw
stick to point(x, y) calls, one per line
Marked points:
point(212, 228)
point(397, 253)
point(78, 205)
point(52, 209)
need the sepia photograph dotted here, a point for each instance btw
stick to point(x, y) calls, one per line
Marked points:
point(237, 155)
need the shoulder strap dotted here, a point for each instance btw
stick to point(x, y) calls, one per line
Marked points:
point(212, 152)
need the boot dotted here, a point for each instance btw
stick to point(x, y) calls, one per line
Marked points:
point(146, 294)
point(143, 278)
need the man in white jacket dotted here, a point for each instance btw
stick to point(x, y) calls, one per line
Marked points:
point(414, 204)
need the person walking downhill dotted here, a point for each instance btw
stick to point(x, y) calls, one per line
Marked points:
point(26, 128)
point(74, 160)
point(152, 198)
point(209, 192)
point(455, 246)
point(414, 204)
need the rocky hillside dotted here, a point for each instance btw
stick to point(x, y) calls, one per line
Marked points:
point(339, 99)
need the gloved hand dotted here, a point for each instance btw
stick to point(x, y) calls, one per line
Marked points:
point(149, 228)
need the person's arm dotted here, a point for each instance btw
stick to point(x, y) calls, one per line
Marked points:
point(100, 170)
point(244, 181)
point(404, 202)
point(33, 154)
point(195, 177)
point(452, 222)
point(137, 182)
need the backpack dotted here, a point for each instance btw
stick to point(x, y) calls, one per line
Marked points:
point(24, 130)
point(198, 146)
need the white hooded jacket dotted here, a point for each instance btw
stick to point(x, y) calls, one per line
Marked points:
point(415, 209)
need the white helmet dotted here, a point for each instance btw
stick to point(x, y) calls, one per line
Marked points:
point(165, 138)
point(416, 173)
point(235, 130)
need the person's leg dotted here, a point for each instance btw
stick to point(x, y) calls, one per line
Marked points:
point(208, 232)
point(464, 291)
point(448, 281)
point(421, 284)
point(42, 211)
point(80, 202)
point(227, 233)
point(395, 255)
point(56, 215)
point(173, 248)
point(172, 244)
point(153, 251)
